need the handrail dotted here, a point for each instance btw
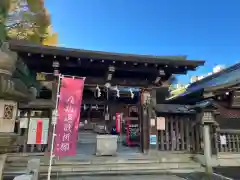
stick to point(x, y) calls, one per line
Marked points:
point(232, 131)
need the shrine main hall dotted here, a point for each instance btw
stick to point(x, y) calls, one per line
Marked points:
point(126, 84)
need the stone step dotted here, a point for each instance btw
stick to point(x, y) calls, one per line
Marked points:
point(81, 159)
point(111, 169)
point(228, 156)
point(106, 165)
point(107, 173)
point(98, 163)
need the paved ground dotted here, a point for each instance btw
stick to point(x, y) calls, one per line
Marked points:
point(203, 176)
point(133, 177)
point(191, 176)
point(231, 172)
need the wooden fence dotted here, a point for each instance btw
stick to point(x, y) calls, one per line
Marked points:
point(182, 133)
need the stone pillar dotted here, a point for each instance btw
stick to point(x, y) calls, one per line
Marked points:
point(33, 167)
point(207, 121)
point(32, 171)
point(207, 147)
point(8, 60)
point(8, 109)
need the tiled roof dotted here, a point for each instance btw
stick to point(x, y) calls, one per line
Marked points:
point(226, 112)
point(228, 123)
point(173, 108)
point(230, 75)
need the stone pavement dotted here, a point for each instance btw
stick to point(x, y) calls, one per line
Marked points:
point(189, 176)
point(130, 177)
point(231, 172)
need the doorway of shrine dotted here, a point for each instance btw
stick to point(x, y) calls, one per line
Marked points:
point(99, 118)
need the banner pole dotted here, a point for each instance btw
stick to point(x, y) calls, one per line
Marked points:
point(54, 129)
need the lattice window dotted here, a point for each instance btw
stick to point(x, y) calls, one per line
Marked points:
point(8, 111)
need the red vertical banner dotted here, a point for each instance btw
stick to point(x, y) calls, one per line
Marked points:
point(69, 108)
point(118, 122)
point(39, 132)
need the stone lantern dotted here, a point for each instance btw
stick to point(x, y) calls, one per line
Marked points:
point(8, 108)
point(7, 60)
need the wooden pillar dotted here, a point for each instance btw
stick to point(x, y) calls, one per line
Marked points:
point(153, 133)
point(25, 135)
point(107, 114)
point(145, 114)
point(145, 130)
point(56, 72)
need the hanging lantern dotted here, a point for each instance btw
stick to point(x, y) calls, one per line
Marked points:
point(54, 116)
point(118, 92)
point(132, 94)
point(98, 91)
point(56, 72)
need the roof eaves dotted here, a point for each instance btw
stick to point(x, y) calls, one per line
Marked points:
point(215, 75)
point(22, 46)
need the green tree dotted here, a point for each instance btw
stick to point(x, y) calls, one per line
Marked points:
point(4, 8)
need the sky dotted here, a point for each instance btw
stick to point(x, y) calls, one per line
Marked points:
point(201, 29)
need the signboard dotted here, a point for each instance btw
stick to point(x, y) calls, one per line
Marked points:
point(70, 101)
point(23, 122)
point(36, 134)
point(160, 123)
point(107, 117)
point(153, 139)
point(40, 77)
point(152, 122)
point(223, 140)
point(132, 132)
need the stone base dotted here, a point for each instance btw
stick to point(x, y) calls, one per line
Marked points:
point(7, 142)
point(106, 145)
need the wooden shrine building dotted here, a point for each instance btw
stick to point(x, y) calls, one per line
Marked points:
point(222, 91)
point(115, 83)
